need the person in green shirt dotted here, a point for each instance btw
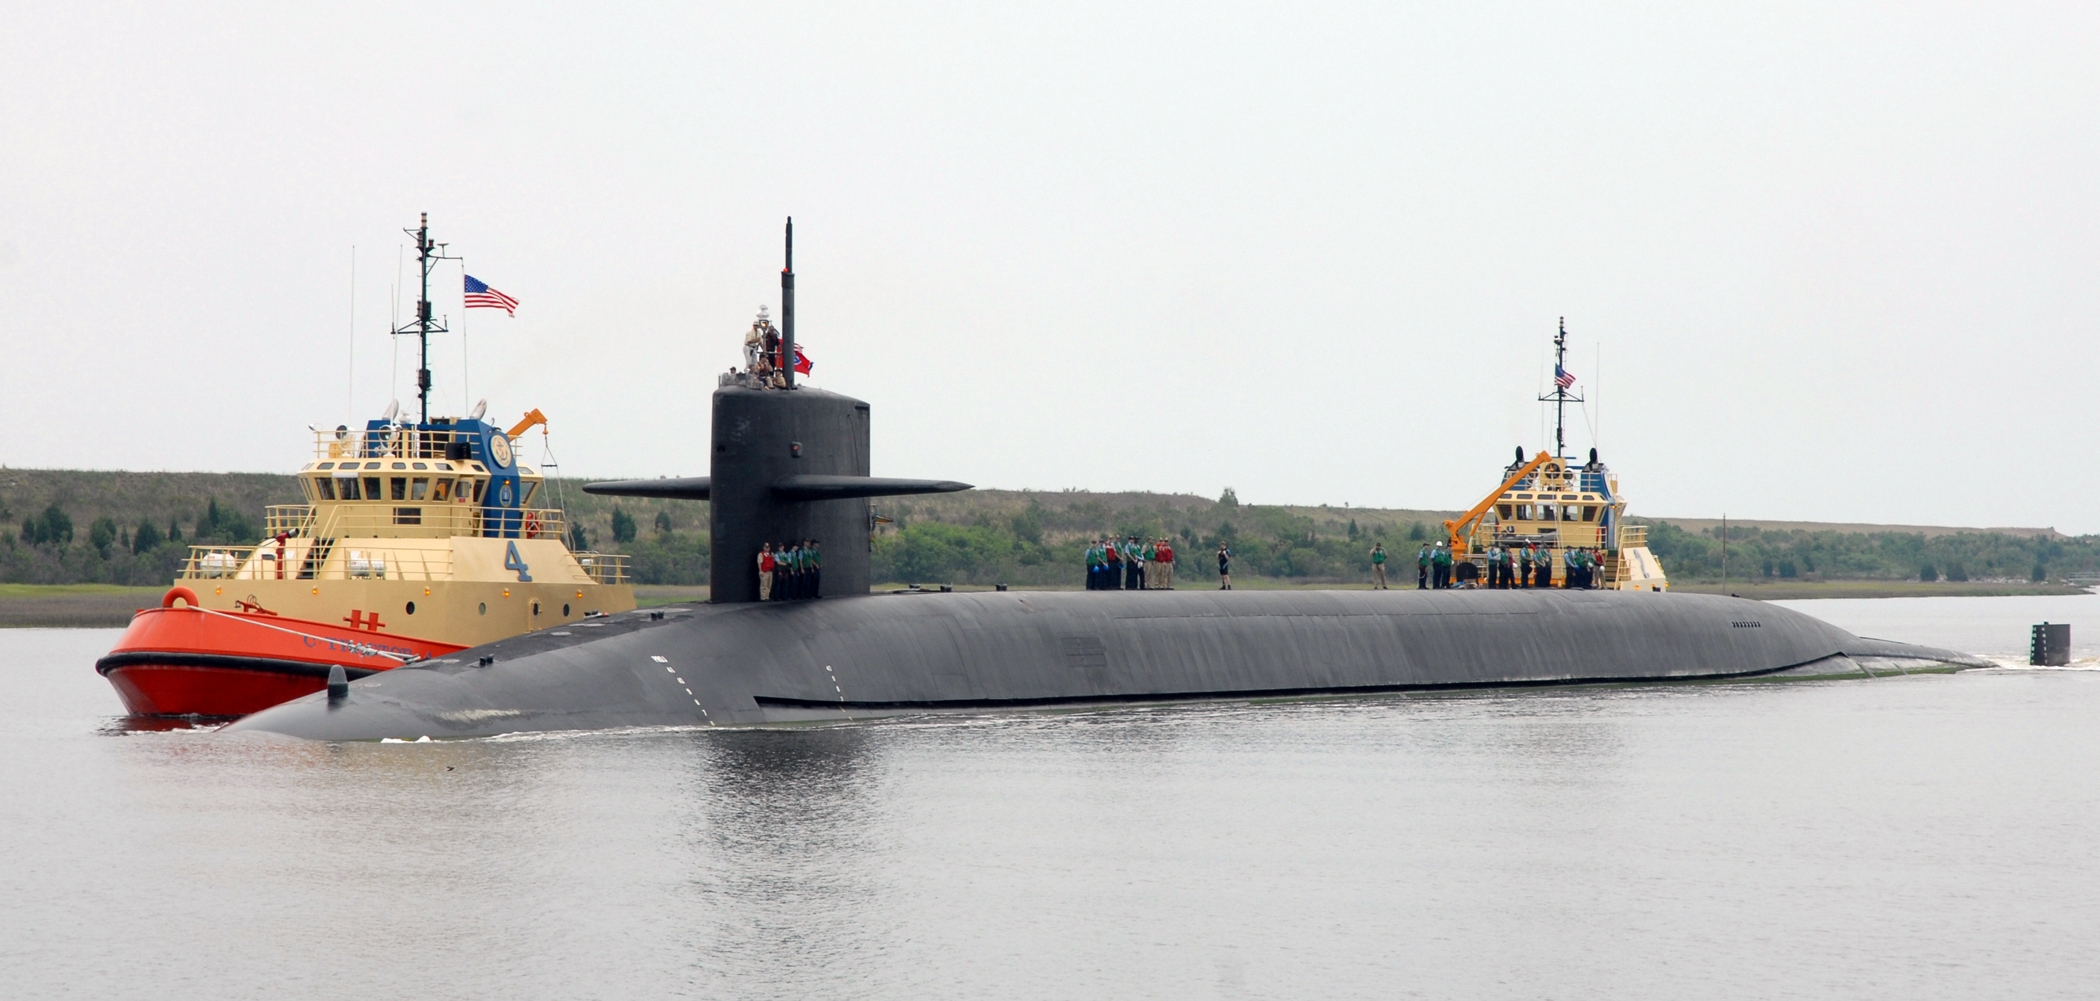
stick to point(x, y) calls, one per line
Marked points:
point(815, 557)
point(1378, 567)
point(1422, 568)
point(1440, 565)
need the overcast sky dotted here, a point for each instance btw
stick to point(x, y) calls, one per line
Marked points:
point(1837, 262)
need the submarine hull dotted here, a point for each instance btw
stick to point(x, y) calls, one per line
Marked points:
point(850, 658)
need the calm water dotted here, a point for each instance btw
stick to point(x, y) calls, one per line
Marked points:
point(1900, 837)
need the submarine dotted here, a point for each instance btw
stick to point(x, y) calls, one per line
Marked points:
point(793, 462)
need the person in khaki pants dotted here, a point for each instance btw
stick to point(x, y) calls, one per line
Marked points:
point(766, 565)
point(1378, 565)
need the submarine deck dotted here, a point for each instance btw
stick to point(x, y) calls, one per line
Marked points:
point(741, 664)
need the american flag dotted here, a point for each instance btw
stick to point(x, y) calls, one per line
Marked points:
point(479, 294)
point(1562, 377)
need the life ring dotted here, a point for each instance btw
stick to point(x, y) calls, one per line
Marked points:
point(168, 600)
point(532, 525)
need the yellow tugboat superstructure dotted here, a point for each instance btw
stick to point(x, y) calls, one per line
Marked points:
point(1549, 513)
point(397, 537)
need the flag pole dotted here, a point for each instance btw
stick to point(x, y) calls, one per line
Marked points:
point(466, 382)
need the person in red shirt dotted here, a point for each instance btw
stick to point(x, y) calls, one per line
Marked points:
point(765, 571)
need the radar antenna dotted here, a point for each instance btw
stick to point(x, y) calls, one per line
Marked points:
point(427, 255)
point(1560, 397)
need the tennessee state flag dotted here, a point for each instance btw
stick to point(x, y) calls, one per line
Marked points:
point(802, 362)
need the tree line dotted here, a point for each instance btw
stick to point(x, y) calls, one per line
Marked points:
point(990, 537)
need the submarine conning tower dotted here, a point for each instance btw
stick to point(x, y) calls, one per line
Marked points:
point(785, 464)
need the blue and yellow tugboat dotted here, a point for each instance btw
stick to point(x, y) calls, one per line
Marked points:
point(418, 538)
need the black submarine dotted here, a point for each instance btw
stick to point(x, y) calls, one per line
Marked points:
point(792, 462)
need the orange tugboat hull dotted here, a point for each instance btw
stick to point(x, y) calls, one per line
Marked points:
point(190, 661)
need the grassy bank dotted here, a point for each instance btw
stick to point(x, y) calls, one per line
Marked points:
point(658, 595)
point(76, 606)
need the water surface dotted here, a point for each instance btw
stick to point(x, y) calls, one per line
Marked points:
point(1924, 836)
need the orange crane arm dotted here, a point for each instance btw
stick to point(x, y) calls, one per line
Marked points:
point(532, 417)
point(1464, 525)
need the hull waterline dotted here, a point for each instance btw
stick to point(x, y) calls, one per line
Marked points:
point(187, 661)
point(880, 655)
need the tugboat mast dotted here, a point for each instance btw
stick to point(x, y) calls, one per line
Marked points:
point(1560, 397)
point(427, 255)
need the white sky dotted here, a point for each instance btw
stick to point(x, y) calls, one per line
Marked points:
point(1839, 260)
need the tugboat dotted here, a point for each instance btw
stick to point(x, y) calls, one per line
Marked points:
point(1555, 509)
point(418, 539)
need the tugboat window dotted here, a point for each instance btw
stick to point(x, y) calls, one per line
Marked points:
point(372, 487)
point(324, 488)
point(419, 490)
point(400, 488)
point(346, 487)
point(1546, 512)
point(441, 491)
point(411, 608)
point(484, 608)
point(565, 611)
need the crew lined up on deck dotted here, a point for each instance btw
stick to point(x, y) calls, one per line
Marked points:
point(791, 572)
point(1130, 565)
point(1510, 566)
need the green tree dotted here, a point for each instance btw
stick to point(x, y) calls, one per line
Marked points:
point(622, 526)
point(663, 522)
point(1928, 573)
point(1028, 525)
point(174, 531)
point(55, 526)
point(577, 540)
point(103, 534)
point(1229, 499)
point(2039, 574)
point(146, 539)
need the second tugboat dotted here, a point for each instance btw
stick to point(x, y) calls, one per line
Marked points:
point(1552, 523)
point(418, 539)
